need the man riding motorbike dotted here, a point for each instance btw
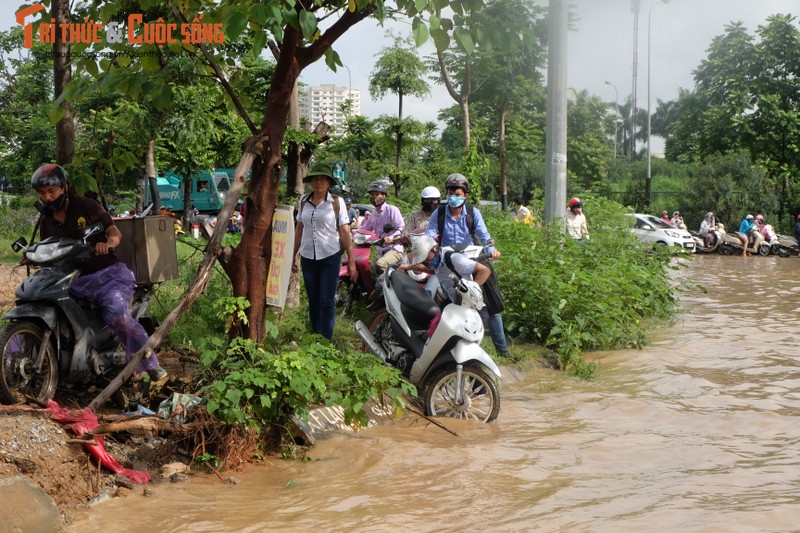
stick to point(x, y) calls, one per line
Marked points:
point(104, 280)
point(385, 217)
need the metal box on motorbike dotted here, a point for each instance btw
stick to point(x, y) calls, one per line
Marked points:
point(148, 248)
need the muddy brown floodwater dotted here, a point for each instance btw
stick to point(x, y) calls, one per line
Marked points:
point(697, 432)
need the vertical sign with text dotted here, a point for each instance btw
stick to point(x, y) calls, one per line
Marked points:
point(280, 266)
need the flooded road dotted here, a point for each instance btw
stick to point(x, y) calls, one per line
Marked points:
point(697, 432)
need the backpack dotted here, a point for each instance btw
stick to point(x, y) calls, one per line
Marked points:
point(492, 295)
point(470, 212)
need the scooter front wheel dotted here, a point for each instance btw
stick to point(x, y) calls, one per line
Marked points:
point(479, 400)
point(20, 343)
point(343, 299)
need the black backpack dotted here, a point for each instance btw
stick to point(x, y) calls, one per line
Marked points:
point(470, 212)
point(492, 295)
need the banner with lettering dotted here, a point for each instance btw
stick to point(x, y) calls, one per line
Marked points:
point(280, 266)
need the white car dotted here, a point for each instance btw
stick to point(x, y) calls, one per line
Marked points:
point(652, 229)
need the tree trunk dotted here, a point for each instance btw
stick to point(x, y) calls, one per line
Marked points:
point(463, 97)
point(501, 140)
point(399, 129)
point(294, 170)
point(62, 73)
point(149, 170)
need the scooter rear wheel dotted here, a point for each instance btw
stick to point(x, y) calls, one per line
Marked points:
point(480, 395)
point(381, 328)
point(19, 346)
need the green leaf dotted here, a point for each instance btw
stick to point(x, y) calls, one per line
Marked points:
point(420, 31)
point(259, 14)
point(420, 5)
point(235, 24)
point(441, 39)
point(259, 43)
point(56, 114)
point(162, 97)
point(149, 58)
point(464, 40)
point(308, 24)
point(332, 59)
point(433, 22)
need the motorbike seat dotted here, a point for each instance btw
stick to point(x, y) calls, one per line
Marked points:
point(416, 304)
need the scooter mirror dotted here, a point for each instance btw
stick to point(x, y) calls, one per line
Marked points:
point(19, 244)
point(92, 230)
point(388, 228)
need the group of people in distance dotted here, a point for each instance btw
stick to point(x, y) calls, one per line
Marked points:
point(756, 226)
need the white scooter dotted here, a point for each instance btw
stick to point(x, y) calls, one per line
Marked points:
point(454, 375)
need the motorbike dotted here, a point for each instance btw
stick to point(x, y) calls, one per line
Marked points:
point(346, 290)
point(52, 338)
point(732, 244)
point(437, 350)
point(700, 243)
point(788, 245)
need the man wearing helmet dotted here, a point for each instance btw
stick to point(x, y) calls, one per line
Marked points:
point(457, 223)
point(387, 222)
point(417, 221)
point(576, 221)
point(104, 280)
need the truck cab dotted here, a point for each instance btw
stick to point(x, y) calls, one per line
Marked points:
point(207, 190)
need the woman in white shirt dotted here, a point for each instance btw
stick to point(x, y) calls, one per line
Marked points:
point(320, 236)
point(576, 221)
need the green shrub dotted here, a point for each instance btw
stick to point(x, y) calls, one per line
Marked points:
point(573, 299)
point(252, 386)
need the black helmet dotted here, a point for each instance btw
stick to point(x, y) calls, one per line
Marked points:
point(50, 174)
point(457, 180)
point(377, 186)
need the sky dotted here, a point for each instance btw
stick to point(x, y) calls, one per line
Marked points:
point(599, 49)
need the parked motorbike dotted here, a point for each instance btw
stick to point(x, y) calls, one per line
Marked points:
point(346, 290)
point(788, 246)
point(53, 339)
point(438, 351)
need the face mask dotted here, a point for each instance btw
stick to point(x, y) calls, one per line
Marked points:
point(428, 206)
point(58, 203)
point(455, 201)
point(434, 263)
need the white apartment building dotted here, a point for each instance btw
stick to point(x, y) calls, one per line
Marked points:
point(324, 102)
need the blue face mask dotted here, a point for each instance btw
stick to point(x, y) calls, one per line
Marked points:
point(434, 263)
point(455, 201)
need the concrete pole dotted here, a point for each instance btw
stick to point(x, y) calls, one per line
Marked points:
point(635, 5)
point(616, 116)
point(555, 186)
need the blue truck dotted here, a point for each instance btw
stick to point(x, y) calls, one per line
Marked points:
point(209, 188)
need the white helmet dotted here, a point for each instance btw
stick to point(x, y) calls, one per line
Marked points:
point(431, 192)
point(421, 248)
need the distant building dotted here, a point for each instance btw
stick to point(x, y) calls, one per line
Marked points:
point(324, 102)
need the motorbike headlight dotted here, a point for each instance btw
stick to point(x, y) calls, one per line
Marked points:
point(359, 239)
point(46, 253)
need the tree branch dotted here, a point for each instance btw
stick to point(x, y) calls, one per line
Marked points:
point(312, 52)
point(220, 77)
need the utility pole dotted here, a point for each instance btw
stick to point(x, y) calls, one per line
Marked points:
point(648, 185)
point(616, 116)
point(635, 5)
point(555, 186)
